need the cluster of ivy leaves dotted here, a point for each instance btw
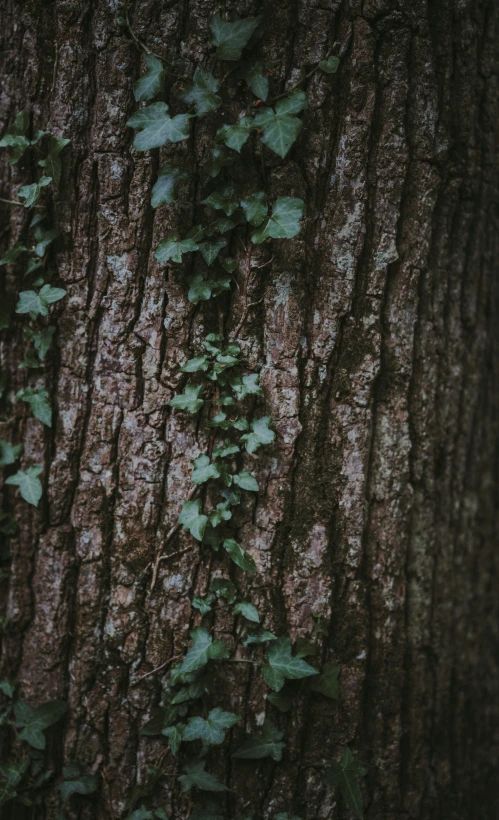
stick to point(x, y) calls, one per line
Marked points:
point(223, 397)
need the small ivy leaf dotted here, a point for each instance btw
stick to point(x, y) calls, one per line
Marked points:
point(202, 92)
point(43, 340)
point(203, 604)
point(282, 664)
point(248, 611)
point(165, 188)
point(204, 470)
point(260, 434)
point(194, 774)
point(51, 164)
point(196, 233)
point(9, 453)
point(222, 200)
point(7, 688)
point(172, 248)
point(13, 253)
point(292, 103)
point(246, 481)
point(30, 193)
point(38, 402)
point(49, 295)
point(199, 653)
point(225, 450)
point(281, 701)
point(240, 424)
point(223, 225)
point(330, 66)
point(257, 80)
point(188, 400)
point(220, 420)
point(157, 127)
point(175, 735)
point(80, 784)
point(220, 157)
point(235, 136)
point(247, 386)
point(151, 83)
point(304, 648)
point(231, 38)
point(262, 637)
point(210, 250)
point(268, 744)
point(229, 264)
point(37, 303)
point(29, 484)
point(44, 239)
point(327, 682)
point(15, 139)
point(192, 519)
point(255, 208)
point(218, 651)
point(280, 127)
point(346, 774)
point(212, 730)
point(239, 556)
point(224, 588)
point(196, 364)
point(273, 678)
point(35, 721)
point(284, 222)
point(222, 513)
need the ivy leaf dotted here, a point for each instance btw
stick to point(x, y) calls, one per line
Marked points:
point(283, 665)
point(44, 239)
point(51, 164)
point(255, 207)
point(140, 814)
point(247, 386)
point(248, 611)
point(38, 402)
point(202, 94)
point(157, 127)
point(239, 556)
point(9, 453)
point(268, 744)
point(281, 701)
point(257, 80)
point(222, 225)
point(172, 248)
point(151, 83)
point(194, 774)
point(199, 653)
point(38, 303)
point(30, 193)
point(260, 434)
point(200, 289)
point(284, 222)
point(222, 200)
point(196, 364)
point(330, 66)
point(231, 38)
point(327, 682)
point(202, 603)
point(225, 450)
point(222, 513)
point(210, 250)
point(165, 188)
point(262, 637)
point(246, 481)
point(192, 519)
point(15, 139)
point(235, 136)
point(12, 254)
point(35, 721)
point(76, 783)
point(43, 340)
point(175, 735)
point(346, 774)
point(224, 588)
point(188, 400)
point(204, 470)
point(280, 127)
point(212, 730)
point(220, 157)
point(29, 484)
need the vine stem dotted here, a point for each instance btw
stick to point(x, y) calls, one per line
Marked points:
point(140, 45)
point(11, 202)
point(168, 538)
point(158, 668)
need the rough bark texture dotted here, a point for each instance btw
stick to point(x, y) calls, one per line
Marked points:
point(377, 339)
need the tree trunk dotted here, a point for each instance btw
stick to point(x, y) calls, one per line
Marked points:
point(376, 333)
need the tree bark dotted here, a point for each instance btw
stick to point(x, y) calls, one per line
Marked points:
point(376, 333)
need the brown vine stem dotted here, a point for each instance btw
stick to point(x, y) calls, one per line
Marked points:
point(168, 538)
point(158, 668)
point(140, 45)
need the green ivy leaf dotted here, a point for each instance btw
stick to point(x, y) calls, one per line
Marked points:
point(151, 83)
point(235, 136)
point(202, 94)
point(224, 588)
point(247, 386)
point(231, 38)
point(220, 158)
point(210, 250)
point(225, 450)
point(327, 682)
point(283, 665)
point(30, 193)
point(43, 340)
point(255, 207)
point(260, 434)
point(199, 653)
point(38, 303)
point(194, 774)
point(188, 400)
point(284, 222)
point(204, 470)
point(15, 139)
point(157, 127)
point(330, 66)
point(35, 721)
point(44, 239)
point(268, 744)
point(12, 254)
point(222, 199)
point(51, 164)
point(210, 731)
point(175, 735)
point(201, 289)
point(248, 611)
point(281, 127)
point(203, 603)
point(192, 519)
point(222, 225)
point(281, 701)
point(262, 637)
point(165, 188)
point(196, 364)
point(222, 513)
point(239, 556)
point(29, 484)
point(346, 774)
point(257, 80)
point(9, 453)
point(38, 401)
point(172, 247)
point(246, 481)
point(76, 783)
